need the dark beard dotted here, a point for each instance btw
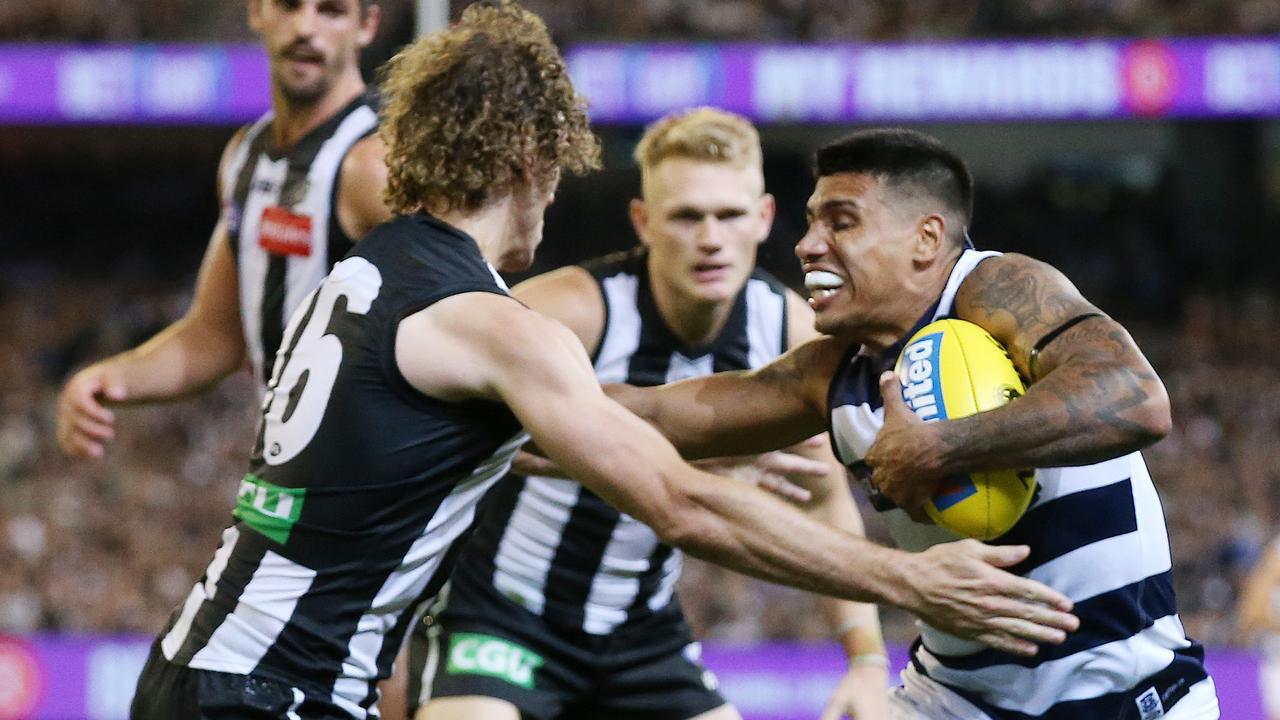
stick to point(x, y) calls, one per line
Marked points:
point(305, 96)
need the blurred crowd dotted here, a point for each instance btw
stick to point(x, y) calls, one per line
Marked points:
point(114, 546)
point(727, 20)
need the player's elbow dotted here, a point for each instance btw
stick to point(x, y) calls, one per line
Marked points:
point(1151, 419)
point(686, 525)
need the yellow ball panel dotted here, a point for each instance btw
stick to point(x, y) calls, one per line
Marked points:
point(952, 369)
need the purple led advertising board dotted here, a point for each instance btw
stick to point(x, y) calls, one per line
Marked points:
point(92, 677)
point(170, 84)
point(832, 83)
point(964, 81)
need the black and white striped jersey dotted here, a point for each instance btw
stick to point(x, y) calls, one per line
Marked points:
point(556, 548)
point(359, 487)
point(280, 211)
point(1096, 533)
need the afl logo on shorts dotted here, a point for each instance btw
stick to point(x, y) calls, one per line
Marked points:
point(19, 681)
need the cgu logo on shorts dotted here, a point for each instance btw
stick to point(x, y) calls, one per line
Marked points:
point(921, 389)
point(474, 654)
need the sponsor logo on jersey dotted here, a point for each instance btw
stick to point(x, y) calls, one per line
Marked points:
point(270, 509)
point(283, 232)
point(922, 389)
point(475, 654)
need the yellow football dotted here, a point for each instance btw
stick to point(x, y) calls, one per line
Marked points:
point(951, 369)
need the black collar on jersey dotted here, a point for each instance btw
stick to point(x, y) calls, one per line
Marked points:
point(310, 143)
point(648, 305)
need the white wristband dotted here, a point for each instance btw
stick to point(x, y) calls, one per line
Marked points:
point(874, 659)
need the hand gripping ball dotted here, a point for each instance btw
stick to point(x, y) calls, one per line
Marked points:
point(951, 369)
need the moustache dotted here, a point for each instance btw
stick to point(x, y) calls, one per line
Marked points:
point(303, 50)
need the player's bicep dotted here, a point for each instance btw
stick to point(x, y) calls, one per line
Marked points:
point(1021, 301)
point(552, 389)
point(215, 307)
point(455, 349)
point(800, 328)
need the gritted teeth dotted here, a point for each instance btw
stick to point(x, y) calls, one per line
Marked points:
point(822, 280)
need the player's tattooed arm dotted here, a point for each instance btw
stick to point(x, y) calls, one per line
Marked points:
point(1092, 394)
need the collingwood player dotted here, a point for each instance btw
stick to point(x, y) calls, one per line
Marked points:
point(408, 379)
point(297, 188)
point(556, 574)
point(885, 254)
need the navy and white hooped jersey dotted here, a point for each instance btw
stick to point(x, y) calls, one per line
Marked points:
point(1097, 534)
point(555, 548)
point(280, 210)
point(360, 488)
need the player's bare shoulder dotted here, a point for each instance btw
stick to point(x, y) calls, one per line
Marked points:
point(362, 182)
point(1018, 299)
point(448, 349)
point(228, 152)
point(571, 296)
point(799, 319)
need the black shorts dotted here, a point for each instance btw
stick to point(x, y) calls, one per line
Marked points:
point(167, 691)
point(650, 672)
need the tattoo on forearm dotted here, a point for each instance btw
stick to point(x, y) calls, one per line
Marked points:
point(1085, 410)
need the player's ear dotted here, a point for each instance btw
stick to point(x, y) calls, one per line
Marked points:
point(255, 14)
point(370, 16)
point(931, 238)
point(768, 210)
point(640, 219)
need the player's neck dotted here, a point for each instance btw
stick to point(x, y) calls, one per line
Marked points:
point(918, 295)
point(294, 120)
point(490, 227)
point(697, 323)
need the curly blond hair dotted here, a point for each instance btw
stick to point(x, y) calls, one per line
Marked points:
point(705, 134)
point(473, 109)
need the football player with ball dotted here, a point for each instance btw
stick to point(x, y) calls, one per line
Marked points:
point(947, 444)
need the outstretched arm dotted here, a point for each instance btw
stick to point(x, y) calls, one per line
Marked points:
point(484, 346)
point(745, 412)
point(1092, 395)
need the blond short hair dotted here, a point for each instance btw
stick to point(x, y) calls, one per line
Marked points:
point(704, 134)
point(474, 108)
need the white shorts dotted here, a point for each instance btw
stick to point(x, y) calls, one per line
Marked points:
point(921, 698)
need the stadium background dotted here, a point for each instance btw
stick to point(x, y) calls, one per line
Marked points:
point(1133, 143)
